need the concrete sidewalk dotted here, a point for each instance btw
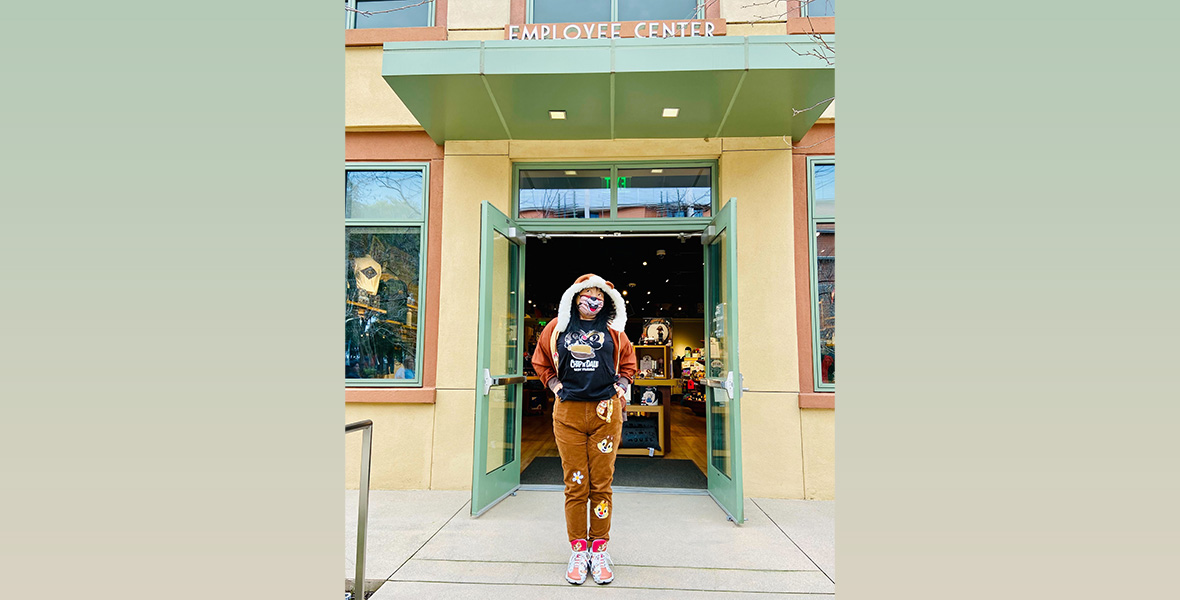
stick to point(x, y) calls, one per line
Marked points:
point(424, 544)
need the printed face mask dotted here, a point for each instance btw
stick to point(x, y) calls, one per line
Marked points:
point(590, 304)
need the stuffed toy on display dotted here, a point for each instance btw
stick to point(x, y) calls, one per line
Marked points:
point(656, 332)
point(650, 396)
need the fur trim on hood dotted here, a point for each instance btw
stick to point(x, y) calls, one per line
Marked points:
point(565, 308)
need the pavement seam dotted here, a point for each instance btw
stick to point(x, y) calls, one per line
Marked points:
point(614, 586)
point(793, 541)
point(448, 522)
point(693, 567)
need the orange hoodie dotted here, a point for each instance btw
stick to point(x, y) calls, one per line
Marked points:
point(544, 357)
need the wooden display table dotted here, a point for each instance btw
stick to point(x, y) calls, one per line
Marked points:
point(664, 423)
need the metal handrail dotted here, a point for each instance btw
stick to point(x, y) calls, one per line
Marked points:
point(362, 518)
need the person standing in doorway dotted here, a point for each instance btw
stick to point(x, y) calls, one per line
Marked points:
point(584, 357)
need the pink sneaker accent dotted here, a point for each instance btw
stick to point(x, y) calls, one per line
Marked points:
point(575, 571)
point(600, 563)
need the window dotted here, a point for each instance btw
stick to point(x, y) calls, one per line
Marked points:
point(385, 255)
point(623, 191)
point(819, 8)
point(565, 11)
point(388, 13)
point(821, 208)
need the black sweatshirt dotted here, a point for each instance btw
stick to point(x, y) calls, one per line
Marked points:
point(586, 361)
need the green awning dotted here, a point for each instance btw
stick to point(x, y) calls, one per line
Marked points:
point(504, 89)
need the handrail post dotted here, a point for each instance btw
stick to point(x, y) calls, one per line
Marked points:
point(366, 426)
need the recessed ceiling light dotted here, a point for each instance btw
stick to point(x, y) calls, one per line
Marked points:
point(560, 114)
point(670, 112)
point(657, 170)
point(645, 263)
point(571, 172)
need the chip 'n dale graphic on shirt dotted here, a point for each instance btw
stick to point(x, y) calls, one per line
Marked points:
point(583, 344)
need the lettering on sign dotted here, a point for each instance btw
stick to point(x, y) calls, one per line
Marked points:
point(616, 30)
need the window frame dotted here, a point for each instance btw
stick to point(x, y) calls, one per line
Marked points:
point(616, 223)
point(350, 16)
point(423, 244)
point(614, 12)
point(818, 383)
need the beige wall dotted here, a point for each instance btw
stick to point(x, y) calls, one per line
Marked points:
point(752, 10)
point(401, 445)
point(474, 172)
point(819, 452)
point(369, 103)
point(757, 172)
point(477, 14)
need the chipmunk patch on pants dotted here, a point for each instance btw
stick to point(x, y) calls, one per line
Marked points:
point(606, 445)
point(602, 511)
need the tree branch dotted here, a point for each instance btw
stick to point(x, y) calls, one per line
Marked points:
point(369, 13)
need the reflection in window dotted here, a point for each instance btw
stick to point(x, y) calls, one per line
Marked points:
point(663, 10)
point(383, 195)
point(825, 254)
point(820, 8)
point(381, 302)
point(565, 11)
point(823, 184)
point(564, 193)
point(390, 13)
point(822, 199)
point(668, 192)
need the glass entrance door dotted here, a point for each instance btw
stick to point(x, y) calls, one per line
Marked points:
point(723, 427)
point(499, 377)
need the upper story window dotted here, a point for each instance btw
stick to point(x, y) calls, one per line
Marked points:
point(374, 14)
point(819, 8)
point(385, 258)
point(570, 11)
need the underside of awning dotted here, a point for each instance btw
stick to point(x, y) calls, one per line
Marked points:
point(618, 88)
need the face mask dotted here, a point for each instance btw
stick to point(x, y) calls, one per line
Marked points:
point(590, 304)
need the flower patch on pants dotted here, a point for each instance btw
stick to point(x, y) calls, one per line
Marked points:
point(602, 511)
point(576, 478)
point(606, 445)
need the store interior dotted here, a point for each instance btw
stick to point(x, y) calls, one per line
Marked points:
point(662, 280)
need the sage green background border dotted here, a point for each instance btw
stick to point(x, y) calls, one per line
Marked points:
point(1008, 300)
point(171, 242)
point(1027, 156)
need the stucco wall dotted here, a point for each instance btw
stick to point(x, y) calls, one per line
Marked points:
point(757, 172)
point(477, 14)
point(819, 452)
point(369, 103)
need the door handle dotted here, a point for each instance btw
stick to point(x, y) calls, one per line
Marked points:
point(489, 381)
point(723, 384)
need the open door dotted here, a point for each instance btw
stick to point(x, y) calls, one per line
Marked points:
point(723, 425)
point(499, 377)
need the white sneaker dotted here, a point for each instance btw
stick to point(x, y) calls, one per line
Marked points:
point(575, 572)
point(600, 563)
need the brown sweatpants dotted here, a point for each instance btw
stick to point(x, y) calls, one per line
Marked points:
point(587, 446)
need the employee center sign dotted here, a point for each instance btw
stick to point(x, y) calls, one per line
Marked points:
point(616, 29)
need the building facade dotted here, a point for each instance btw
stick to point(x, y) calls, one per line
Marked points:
point(485, 139)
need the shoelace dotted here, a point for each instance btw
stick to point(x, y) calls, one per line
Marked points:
point(600, 558)
point(578, 558)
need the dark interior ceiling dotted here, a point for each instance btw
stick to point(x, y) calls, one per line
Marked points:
point(670, 287)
